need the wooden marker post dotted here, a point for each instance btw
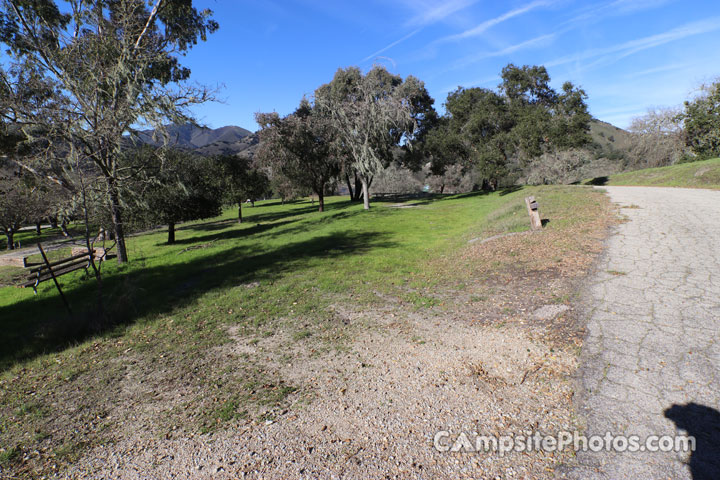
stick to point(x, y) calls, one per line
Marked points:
point(532, 206)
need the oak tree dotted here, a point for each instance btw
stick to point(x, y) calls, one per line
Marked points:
point(108, 66)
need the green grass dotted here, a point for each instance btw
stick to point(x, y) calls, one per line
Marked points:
point(28, 238)
point(704, 174)
point(299, 258)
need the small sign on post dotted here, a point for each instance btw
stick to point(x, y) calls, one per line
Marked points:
point(532, 206)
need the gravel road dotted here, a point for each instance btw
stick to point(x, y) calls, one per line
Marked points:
point(651, 360)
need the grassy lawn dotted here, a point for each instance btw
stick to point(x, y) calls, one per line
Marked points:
point(279, 275)
point(705, 174)
point(28, 238)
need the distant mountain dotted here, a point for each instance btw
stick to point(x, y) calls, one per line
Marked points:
point(207, 141)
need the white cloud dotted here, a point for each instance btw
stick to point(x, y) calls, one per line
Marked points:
point(616, 52)
point(487, 24)
point(663, 69)
point(430, 14)
point(542, 40)
point(388, 47)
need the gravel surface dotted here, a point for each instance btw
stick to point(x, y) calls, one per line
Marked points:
point(375, 410)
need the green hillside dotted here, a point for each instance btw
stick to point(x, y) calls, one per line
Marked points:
point(704, 174)
point(609, 136)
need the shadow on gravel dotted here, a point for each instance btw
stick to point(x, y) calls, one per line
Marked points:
point(703, 423)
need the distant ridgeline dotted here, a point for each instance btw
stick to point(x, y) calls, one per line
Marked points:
point(206, 141)
point(610, 151)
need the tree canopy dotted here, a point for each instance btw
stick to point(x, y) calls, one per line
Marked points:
point(373, 115)
point(241, 180)
point(702, 122)
point(176, 186)
point(301, 147)
point(499, 130)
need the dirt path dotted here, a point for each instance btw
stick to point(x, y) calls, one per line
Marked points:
point(375, 410)
point(651, 361)
point(15, 257)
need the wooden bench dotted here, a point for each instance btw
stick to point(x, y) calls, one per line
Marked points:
point(41, 272)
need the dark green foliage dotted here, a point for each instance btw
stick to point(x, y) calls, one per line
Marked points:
point(501, 131)
point(240, 180)
point(702, 123)
point(301, 147)
point(178, 187)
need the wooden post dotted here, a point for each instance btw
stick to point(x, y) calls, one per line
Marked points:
point(52, 274)
point(532, 206)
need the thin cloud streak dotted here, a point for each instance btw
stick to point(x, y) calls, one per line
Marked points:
point(487, 24)
point(388, 47)
point(634, 46)
point(663, 69)
point(438, 13)
point(617, 8)
point(428, 17)
point(533, 42)
point(630, 6)
point(472, 83)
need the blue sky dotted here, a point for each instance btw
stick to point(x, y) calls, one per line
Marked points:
point(628, 55)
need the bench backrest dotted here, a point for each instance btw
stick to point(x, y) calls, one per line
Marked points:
point(42, 272)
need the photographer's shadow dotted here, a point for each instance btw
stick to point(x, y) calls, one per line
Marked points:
point(703, 423)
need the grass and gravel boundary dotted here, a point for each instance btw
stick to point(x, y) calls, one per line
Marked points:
point(182, 357)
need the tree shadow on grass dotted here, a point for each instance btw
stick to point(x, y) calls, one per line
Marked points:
point(509, 190)
point(235, 233)
point(293, 212)
point(598, 181)
point(476, 193)
point(309, 225)
point(39, 325)
point(210, 226)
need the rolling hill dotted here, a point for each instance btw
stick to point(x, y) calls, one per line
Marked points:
point(207, 141)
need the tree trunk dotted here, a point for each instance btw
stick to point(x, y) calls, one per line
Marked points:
point(442, 188)
point(122, 255)
point(38, 228)
point(240, 212)
point(10, 235)
point(366, 194)
point(171, 233)
point(358, 188)
point(53, 222)
point(350, 189)
point(321, 200)
point(63, 228)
